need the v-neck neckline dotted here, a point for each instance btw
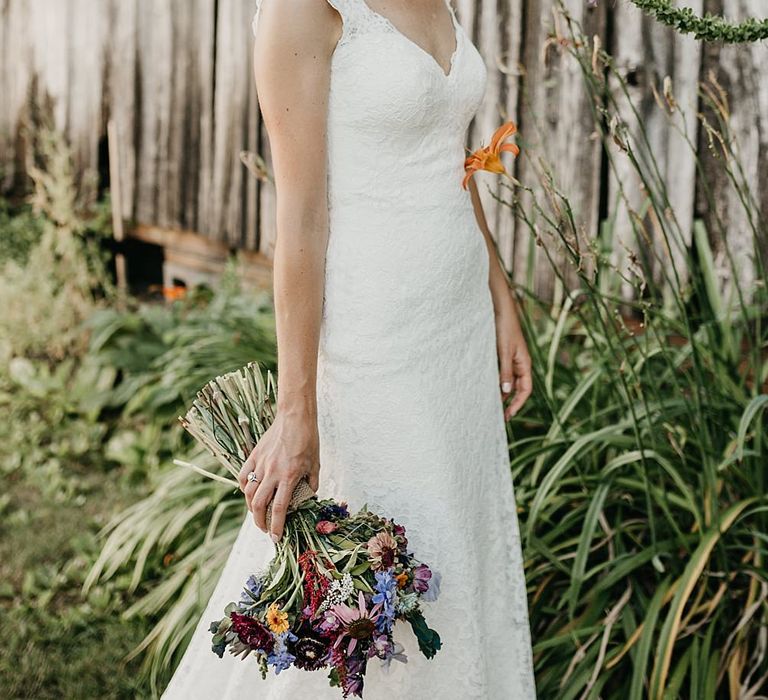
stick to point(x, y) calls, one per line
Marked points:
point(419, 47)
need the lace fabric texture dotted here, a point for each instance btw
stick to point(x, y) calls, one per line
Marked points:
point(410, 416)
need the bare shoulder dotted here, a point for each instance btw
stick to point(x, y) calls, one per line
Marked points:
point(292, 52)
point(305, 27)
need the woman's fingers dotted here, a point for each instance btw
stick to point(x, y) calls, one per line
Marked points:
point(506, 373)
point(523, 388)
point(250, 489)
point(313, 479)
point(264, 494)
point(280, 508)
point(248, 466)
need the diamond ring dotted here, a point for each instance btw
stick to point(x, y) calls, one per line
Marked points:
point(252, 477)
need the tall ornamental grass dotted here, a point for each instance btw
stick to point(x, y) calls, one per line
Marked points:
point(640, 464)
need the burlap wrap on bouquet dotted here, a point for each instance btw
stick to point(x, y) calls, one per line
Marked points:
point(302, 492)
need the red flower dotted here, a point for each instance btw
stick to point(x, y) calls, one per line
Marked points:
point(326, 527)
point(315, 584)
point(252, 632)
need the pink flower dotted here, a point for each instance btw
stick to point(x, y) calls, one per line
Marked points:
point(326, 527)
point(359, 623)
point(382, 548)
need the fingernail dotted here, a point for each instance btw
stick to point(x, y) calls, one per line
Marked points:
point(275, 538)
point(506, 386)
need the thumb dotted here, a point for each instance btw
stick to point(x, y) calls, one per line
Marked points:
point(313, 479)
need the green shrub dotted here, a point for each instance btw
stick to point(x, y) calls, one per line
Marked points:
point(639, 463)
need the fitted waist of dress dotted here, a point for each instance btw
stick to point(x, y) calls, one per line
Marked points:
point(366, 171)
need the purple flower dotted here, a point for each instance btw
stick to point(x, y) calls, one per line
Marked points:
point(310, 649)
point(381, 645)
point(430, 595)
point(421, 576)
point(396, 653)
point(358, 623)
point(353, 681)
point(329, 623)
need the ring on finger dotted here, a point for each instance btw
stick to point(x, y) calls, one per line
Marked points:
point(252, 478)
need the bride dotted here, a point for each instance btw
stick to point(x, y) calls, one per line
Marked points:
point(400, 353)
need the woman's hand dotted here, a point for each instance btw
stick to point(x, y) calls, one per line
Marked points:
point(288, 451)
point(514, 360)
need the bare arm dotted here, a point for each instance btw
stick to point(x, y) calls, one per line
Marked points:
point(514, 360)
point(292, 53)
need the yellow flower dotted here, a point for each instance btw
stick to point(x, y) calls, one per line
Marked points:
point(276, 619)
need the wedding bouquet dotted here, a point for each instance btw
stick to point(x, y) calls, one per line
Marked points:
point(339, 582)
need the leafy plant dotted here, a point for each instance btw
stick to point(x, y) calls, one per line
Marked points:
point(175, 540)
point(639, 466)
point(52, 281)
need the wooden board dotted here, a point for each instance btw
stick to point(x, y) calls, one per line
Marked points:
point(647, 53)
point(176, 76)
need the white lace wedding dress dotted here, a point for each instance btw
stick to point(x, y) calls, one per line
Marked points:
point(410, 413)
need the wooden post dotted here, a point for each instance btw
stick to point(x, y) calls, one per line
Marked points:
point(117, 203)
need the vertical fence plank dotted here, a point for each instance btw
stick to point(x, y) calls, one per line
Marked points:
point(494, 26)
point(509, 65)
point(122, 95)
point(740, 71)
point(231, 121)
point(86, 67)
point(154, 76)
point(646, 53)
point(557, 123)
point(16, 74)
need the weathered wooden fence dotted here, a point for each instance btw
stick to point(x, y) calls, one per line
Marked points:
point(176, 77)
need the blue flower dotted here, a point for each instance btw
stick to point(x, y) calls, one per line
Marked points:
point(334, 511)
point(280, 658)
point(251, 592)
point(385, 587)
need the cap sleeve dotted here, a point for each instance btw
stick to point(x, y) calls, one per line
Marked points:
point(255, 18)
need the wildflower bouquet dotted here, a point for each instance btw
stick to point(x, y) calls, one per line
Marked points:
point(338, 584)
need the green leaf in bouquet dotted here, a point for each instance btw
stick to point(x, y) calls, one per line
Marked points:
point(362, 585)
point(337, 556)
point(298, 589)
point(343, 542)
point(429, 640)
point(232, 607)
point(361, 568)
point(335, 574)
point(277, 577)
point(353, 557)
point(263, 668)
point(220, 626)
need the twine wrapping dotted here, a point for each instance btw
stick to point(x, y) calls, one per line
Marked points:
point(303, 492)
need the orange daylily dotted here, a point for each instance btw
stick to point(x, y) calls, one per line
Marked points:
point(489, 157)
point(174, 293)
